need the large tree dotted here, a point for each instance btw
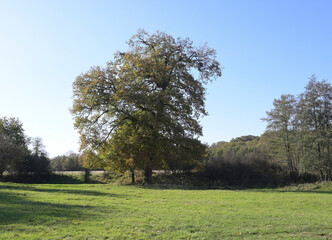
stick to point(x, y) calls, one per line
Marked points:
point(147, 101)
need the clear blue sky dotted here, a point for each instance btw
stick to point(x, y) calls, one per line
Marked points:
point(267, 48)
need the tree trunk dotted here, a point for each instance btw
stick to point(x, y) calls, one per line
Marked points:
point(87, 175)
point(321, 175)
point(148, 175)
point(132, 176)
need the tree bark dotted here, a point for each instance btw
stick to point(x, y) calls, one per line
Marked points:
point(87, 175)
point(321, 175)
point(148, 175)
point(132, 176)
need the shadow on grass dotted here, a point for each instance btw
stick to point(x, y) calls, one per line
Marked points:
point(54, 178)
point(64, 179)
point(61, 190)
point(290, 191)
point(172, 187)
point(19, 209)
point(248, 189)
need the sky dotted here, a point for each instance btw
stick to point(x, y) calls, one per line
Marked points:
point(267, 48)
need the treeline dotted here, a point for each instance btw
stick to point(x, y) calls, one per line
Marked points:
point(247, 161)
point(67, 162)
point(297, 145)
point(20, 155)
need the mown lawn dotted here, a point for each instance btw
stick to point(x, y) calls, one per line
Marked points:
point(108, 211)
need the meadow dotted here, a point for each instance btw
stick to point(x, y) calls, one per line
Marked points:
point(112, 211)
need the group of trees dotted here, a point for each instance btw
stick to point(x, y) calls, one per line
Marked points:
point(67, 162)
point(296, 145)
point(19, 154)
point(300, 130)
point(24, 158)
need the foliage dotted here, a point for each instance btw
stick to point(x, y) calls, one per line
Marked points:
point(68, 162)
point(238, 149)
point(242, 161)
point(145, 104)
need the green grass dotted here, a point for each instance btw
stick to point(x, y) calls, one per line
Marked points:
point(110, 211)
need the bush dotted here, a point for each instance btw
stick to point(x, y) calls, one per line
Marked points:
point(34, 165)
point(245, 172)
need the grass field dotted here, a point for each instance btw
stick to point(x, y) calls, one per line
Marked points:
point(109, 211)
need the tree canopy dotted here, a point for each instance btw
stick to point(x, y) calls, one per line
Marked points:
point(143, 108)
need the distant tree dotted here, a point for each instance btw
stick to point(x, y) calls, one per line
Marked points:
point(11, 154)
point(240, 146)
point(71, 163)
point(13, 144)
point(147, 101)
point(37, 147)
point(238, 149)
point(281, 120)
point(36, 162)
point(68, 162)
point(16, 156)
point(215, 151)
point(13, 128)
point(57, 162)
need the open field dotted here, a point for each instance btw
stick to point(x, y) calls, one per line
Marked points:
point(109, 211)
